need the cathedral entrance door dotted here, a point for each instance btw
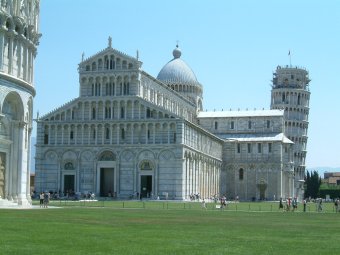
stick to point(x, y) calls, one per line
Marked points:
point(262, 186)
point(145, 186)
point(106, 182)
point(68, 183)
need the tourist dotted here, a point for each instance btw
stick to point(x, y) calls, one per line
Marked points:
point(320, 205)
point(336, 205)
point(280, 204)
point(41, 198)
point(46, 199)
point(294, 204)
point(203, 204)
point(304, 202)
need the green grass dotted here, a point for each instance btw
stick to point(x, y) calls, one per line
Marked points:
point(179, 228)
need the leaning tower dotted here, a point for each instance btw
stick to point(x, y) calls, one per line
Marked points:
point(290, 91)
point(19, 37)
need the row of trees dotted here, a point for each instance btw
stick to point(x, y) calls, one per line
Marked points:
point(312, 184)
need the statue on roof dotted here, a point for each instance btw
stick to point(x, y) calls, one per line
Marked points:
point(110, 42)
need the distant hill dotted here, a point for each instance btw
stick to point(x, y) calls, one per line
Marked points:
point(32, 165)
point(322, 170)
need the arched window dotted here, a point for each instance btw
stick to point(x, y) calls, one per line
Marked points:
point(216, 125)
point(122, 113)
point(93, 113)
point(107, 133)
point(123, 133)
point(240, 174)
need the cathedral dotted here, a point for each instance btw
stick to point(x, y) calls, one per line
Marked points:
point(129, 134)
point(19, 38)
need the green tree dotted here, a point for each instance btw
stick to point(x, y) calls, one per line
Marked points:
point(312, 184)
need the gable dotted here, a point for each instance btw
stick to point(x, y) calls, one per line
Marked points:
point(109, 59)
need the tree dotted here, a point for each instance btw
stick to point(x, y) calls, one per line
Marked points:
point(312, 182)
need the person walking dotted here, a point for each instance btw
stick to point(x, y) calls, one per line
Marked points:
point(281, 204)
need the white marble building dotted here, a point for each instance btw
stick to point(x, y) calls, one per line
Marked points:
point(129, 132)
point(19, 37)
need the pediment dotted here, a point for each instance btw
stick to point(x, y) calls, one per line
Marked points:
point(109, 59)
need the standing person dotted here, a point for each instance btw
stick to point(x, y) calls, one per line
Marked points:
point(281, 204)
point(203, 204)
point(336, 205)
point(320, 205)
point(294, 204)
point(304, 202)
point(41, 198)
point(46, 199)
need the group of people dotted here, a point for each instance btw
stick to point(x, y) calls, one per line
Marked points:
point(291, 204)
point(44, 198)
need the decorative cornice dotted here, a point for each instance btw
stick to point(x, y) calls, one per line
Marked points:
point(18, 82)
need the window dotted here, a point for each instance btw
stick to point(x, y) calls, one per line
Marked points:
point(216, 125)
point(299, 99)
point(122, 113)
point(259, 148)
point(249, 124)
point(238, 148)
point(232, 125)
point(107, 133)
point(72, 114)
point(93, 113)
point(283, 98)
point(123, 133)
point(270, 147)
point(71, 135)
point(148, 133)
point(240, 174)
point(46, 139)
point(268, 123)
point(148, 113)
point(107, 112)
point(94, 134)
point(249, 147)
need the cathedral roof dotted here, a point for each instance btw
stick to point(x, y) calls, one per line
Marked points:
point(176, 71)
point(263, 137)
point(254, 113)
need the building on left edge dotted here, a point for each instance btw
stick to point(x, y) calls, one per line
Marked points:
point(19, 38)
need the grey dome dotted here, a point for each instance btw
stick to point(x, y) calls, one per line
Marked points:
point(176, 71)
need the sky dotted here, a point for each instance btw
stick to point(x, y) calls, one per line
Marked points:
point(233, 47)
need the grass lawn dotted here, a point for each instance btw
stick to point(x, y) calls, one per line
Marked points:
point(154, 230)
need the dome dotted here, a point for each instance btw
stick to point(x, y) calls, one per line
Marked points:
point(176, 71)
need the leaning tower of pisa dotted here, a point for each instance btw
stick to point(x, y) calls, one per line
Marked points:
point(19, 38)
point(290, 91)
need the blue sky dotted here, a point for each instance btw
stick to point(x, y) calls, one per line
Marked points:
point(232, 46)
